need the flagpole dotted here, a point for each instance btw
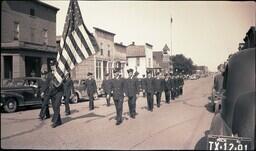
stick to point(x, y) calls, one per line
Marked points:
point(171, 42)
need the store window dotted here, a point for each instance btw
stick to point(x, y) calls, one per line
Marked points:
point(98, 69)
point(8, 67)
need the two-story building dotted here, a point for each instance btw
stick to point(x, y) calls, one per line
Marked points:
point(109, 56)
point(140, 58)
point(28, 37)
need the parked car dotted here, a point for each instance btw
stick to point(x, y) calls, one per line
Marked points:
point(81, 93)
point(20, 92)
point(234, 127)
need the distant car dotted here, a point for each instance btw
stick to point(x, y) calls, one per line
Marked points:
point(20, 92)
point(194, 77)
point(80, 92)
point(234, 127)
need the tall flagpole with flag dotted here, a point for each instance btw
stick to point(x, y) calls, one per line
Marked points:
point(76, 44)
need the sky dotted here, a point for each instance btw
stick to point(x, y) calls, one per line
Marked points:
point(206, 32)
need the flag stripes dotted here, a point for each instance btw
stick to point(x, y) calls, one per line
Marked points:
point(76, 45)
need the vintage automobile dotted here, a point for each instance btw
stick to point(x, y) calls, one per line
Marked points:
point(234, 127)
point(20, 92)
point(81, 93)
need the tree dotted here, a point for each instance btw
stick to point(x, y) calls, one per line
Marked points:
point(181, 64)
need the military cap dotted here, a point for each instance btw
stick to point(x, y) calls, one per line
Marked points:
point(52, 63)
point(157, 73)
point(107, 74)
point(130, 70)
point(116, 70)
point(136, 73)
point(89, 73)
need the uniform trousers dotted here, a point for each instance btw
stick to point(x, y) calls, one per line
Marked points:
point(119, 108)
point(150, 101)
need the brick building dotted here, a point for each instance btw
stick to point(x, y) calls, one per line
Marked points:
point(140, 58)
point(28, 37)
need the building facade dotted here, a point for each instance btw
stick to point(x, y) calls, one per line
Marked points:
point(161, 60)
point(109, 56)
point(140, 58)
point(28, 37)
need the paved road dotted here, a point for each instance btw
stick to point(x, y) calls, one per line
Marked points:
point(178, 125)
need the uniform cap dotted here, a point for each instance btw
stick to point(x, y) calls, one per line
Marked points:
point(130, 70)
point(107, 74)
point(89, 73)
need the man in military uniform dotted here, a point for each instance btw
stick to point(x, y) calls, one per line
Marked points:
point(167, 87)
point(55, 94)
point(143, 85)
point(181, 84)
point(172, 83)
point(158, 88)
point(117, 86)
point(176, 85)
point(90, 86)
point(44, 92)
point(106, 86)
point(68, 91)
point(131, 91)
point(149, 88)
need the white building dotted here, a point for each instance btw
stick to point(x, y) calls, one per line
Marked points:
point(139, 58)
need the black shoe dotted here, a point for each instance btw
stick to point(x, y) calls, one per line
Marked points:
point(56, 124)
point(133, 116)
point(47, 117)
point(67, 113)
point(118, 122)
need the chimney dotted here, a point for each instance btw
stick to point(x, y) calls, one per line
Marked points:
point(133, 43)
point(121, 43)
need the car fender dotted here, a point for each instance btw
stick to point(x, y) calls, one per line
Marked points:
point(79, 94)
point(17, 96)
point(219, 126)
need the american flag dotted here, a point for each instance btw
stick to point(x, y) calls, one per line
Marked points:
point(76, 43)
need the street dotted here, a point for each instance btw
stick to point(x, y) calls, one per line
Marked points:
point(178, 125)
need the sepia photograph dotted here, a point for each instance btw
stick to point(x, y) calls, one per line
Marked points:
point(128, 75)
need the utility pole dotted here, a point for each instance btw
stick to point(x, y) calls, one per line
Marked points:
point(171, 68)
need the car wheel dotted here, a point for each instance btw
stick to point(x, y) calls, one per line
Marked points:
point(75, 98)
point(10, 106)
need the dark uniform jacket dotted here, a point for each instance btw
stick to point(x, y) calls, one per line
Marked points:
point(172, 82)
point(180, 81)
point(131, 87)
point(176, 83)
point(68, 87)
point(143, 84)
point(117, 86)
point(106, 86)
point(149, 85)
point(158, 85)
point(167, 84)
point(91, 87)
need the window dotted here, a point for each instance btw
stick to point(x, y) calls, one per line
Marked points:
point(16, 31)
point(108, 50)
point(45, 36)
point(32, 12)
point(8, 67)
point(110, 69)
point(98, 69)
point(138, 61)
point(32, 34)
point(101, 49)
